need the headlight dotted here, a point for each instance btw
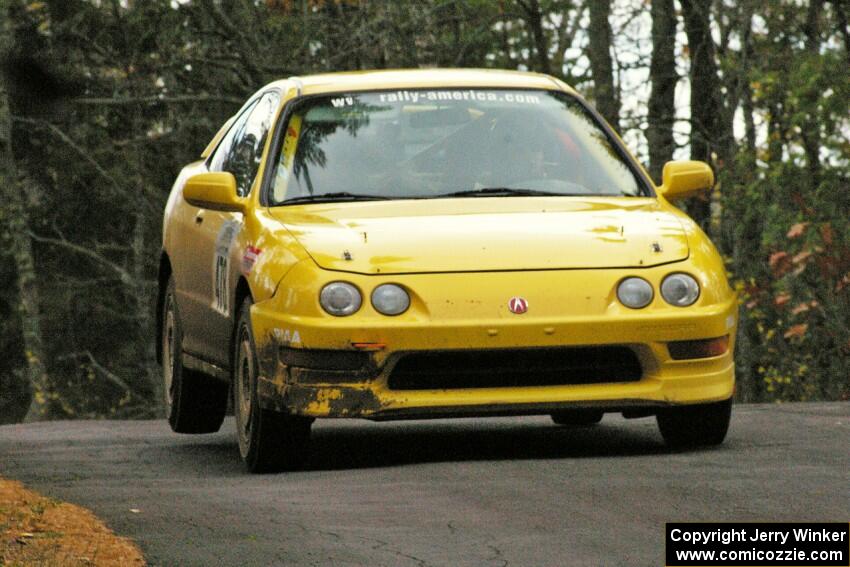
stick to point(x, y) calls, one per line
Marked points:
point(340, 299)
point(680, 290)
point(634, 292)
point(390, 299)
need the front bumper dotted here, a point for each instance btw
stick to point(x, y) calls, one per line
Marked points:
point(373, 401)
point(317, 383)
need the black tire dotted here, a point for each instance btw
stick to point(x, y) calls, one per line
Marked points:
point(194, 403)
point(269, 441)
point(578, 417)
point(695, 425)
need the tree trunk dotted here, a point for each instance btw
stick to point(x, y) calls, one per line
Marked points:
point(141, 288)
point(810, 134)
point(16, 225)
point(812, 25)
point(749, 118)
point(662, 74)
point(143, 291)
point(706, 107)
point(601, 66)
point(840, 7)
point(534, 18)
point(745, 79)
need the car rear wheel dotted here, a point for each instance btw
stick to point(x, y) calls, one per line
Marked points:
point(269, 441)
point(695, 425)
point(194, 403)
point(578, 417)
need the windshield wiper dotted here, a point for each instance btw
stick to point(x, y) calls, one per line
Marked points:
point(339, 196)
point(506, 192)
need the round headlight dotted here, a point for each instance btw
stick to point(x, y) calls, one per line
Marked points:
point(634, 292)
point(680, 290)
point(340, 299)
point(390, 299)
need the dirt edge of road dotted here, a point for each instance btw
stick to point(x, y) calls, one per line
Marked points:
point(36, 530)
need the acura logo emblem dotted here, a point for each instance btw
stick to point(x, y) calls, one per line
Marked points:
point(518, 305)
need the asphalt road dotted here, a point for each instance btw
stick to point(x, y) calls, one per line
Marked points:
point(511, 491)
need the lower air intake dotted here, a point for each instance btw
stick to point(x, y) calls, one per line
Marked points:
point(506, 368)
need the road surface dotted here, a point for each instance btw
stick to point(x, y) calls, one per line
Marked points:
point(511, 491)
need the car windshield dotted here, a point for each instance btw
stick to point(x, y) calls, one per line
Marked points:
point(415, 144)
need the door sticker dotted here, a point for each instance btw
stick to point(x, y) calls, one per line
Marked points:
point(221, 265)
point(252, 253)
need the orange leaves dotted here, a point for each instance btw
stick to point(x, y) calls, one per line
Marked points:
point(797, 230)
point(801, 257)
point(800, 261)
point(782, 262)
point(781, 299)
point(804, 306)
point(779, 262)
point(800, 308)
point(796, 331)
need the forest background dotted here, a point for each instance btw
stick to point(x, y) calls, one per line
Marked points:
point(103, 101)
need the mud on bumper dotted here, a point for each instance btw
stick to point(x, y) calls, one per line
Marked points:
point(324, 383)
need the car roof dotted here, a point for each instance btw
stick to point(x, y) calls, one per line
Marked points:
point(419, 78)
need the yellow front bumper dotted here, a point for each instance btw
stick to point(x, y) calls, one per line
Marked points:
point(367, 394)
point(373, 400)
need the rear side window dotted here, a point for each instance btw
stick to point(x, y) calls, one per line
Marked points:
point(241, 150)
point(219, 157)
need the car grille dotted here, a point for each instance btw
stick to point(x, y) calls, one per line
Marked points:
point(506, 368)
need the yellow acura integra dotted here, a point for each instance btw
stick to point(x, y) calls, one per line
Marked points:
point(434, 243)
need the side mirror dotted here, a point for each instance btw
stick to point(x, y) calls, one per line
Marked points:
point(685, 178)
point(213, 190)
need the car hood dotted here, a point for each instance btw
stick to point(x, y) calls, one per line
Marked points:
point(486, 234)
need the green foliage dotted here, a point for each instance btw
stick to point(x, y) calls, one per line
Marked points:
point(787, 206)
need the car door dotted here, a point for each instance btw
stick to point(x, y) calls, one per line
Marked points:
point(239, 153)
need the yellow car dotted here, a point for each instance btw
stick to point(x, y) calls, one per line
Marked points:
point(435, 243)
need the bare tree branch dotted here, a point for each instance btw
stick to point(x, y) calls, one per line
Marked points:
point(176, 99)
point(114, 184)
point(248, 47)
point(123, 275)
point(105, 372)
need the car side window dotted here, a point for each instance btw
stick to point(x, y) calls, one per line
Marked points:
point(246, 151)
point(219, 156)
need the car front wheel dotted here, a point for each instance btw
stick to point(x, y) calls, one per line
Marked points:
point(194, 403)
point(269, 441)
point(695, 425)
